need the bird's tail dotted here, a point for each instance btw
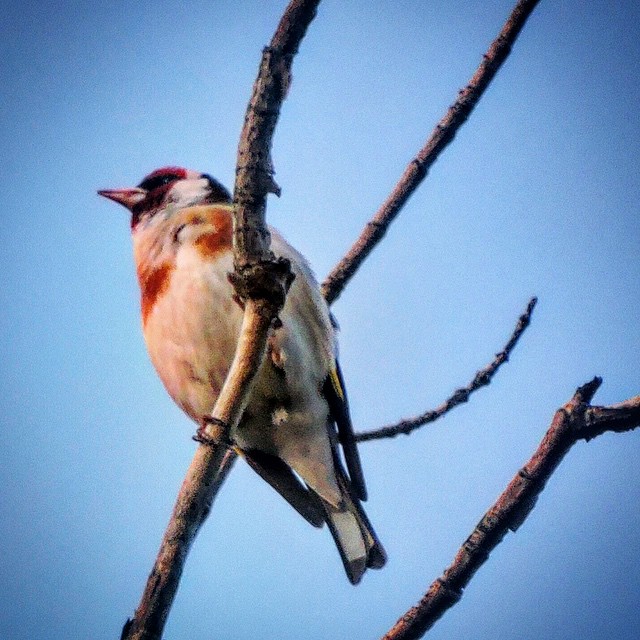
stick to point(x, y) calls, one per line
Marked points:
point(353, 534)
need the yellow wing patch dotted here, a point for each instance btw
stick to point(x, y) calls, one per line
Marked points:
point(335, 383)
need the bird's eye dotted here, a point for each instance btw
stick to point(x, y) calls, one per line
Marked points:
point(149, 184)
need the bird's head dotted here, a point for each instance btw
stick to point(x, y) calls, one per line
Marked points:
point(173, 187)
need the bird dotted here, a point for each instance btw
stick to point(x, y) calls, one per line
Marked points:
point(296, 431)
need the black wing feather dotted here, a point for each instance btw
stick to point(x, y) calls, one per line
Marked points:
point(336, 396)
point(285, 482)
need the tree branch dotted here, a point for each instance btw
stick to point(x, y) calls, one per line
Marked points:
point(576, 420)
point(441, 136)
point(254, 168)
point(460, 396)
point(261, 283)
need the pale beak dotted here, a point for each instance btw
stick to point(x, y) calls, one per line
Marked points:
point(126, 197)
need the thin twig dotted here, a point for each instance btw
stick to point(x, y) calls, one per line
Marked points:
point(261, 283)
point(460, 396)
point(576, 420)
point(417, 169)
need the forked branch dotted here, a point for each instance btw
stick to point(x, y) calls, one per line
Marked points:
point(576, 420)
point(261, 283)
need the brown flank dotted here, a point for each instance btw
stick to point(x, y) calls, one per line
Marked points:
point(153, 283)
point(211, 243)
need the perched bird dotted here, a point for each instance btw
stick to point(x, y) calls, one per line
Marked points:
point(297, 416)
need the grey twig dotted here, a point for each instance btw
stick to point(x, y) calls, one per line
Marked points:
point(460, 396)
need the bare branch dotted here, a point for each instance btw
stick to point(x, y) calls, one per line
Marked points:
point(254, 169)
point(261, 283)
point(441, 136)
point(197, 493)
point(574, 421)
point(618, 418)
point(460, 396)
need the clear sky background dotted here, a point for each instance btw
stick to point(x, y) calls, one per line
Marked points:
point(538, 195)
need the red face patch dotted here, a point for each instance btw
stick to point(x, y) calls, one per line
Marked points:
point(156, 184)
point(162, 176)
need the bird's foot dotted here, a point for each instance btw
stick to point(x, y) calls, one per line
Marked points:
point(212, 431)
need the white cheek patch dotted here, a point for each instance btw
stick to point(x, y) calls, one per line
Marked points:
point(186, 193)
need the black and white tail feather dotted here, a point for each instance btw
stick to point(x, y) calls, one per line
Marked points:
point(352, 532)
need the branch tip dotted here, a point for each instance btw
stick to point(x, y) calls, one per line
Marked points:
point(586, 392)
point(482, 378)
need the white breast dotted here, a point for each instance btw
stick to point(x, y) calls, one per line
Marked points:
point(192, 331)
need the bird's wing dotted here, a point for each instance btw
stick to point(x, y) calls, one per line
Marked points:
point(336, 396)
point(284, 481)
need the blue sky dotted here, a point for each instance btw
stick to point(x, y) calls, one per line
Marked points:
point(538, 195)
